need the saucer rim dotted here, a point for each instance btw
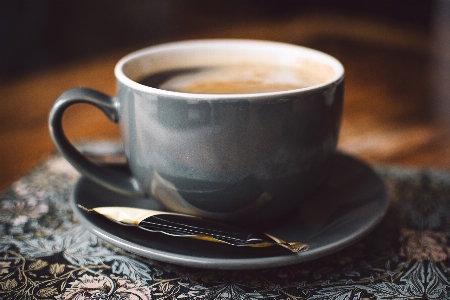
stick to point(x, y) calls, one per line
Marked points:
point(247, 263)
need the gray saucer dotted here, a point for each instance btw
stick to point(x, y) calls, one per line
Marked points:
point(348, 204)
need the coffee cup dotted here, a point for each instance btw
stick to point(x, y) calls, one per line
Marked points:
point(233, 130)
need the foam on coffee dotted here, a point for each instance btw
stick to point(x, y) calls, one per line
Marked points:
point(237, 79)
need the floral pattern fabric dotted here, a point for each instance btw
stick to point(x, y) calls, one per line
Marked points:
point(46, 254)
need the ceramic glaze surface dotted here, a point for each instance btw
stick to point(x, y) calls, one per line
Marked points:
point(223, 159)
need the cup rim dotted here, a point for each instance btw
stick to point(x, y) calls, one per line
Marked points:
point(327, 59)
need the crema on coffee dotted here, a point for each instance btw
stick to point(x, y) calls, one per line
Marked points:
point(232, 79)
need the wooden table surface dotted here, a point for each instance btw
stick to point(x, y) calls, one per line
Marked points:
point(397, 99)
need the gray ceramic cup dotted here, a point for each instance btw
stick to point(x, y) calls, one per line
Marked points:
point(232, 157)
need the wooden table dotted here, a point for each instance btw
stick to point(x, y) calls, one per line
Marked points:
point(397, 97)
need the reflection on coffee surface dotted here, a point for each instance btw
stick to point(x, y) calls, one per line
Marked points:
point(234, 79)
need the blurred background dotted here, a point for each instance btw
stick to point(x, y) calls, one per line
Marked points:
point(396, 54)
point(40, 34)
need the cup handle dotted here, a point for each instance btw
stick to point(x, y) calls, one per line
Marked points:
point(118, 181)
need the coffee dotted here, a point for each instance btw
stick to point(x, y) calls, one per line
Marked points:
point(233, 79)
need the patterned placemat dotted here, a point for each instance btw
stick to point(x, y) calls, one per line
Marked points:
point(47, 254)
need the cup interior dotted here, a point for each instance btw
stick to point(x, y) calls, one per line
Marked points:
point(203, 53)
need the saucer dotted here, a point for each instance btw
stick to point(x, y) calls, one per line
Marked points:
point(346, 206)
